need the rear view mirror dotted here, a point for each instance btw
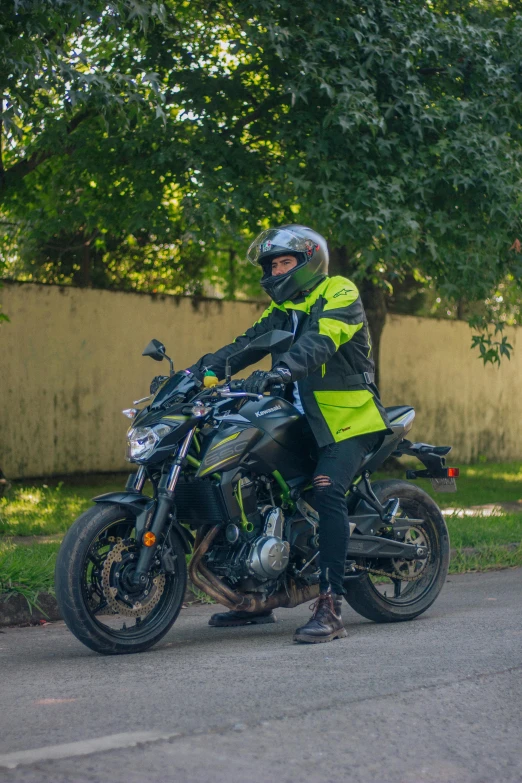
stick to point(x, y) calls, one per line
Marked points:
point(155, 350)
point(158, 352)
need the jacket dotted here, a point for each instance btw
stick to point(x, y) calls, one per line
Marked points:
point(332, 346)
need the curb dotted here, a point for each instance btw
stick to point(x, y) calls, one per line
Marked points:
point(15, 609)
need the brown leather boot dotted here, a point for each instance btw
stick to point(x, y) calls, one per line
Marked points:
point(326, 623)
point(230, 619)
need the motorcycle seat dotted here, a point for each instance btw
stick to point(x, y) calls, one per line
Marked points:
point(396, 411)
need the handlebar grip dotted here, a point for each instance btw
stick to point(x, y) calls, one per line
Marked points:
point(236, 385)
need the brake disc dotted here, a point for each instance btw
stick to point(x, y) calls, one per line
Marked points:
point(125, 604)
point(412, 568)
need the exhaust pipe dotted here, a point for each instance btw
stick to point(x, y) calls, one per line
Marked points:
point(205, 580)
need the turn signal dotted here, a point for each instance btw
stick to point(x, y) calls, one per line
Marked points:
point(149, 539)
point(453, 472)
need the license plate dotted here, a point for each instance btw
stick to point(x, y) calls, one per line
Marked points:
point(444, 484)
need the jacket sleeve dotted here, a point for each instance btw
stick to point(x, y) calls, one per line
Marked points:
point(217, 361)
point(340, 317)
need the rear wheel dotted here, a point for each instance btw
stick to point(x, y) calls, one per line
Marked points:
point(407, 588)
point(94, 587)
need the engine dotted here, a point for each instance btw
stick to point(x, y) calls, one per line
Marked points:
point(262, 558)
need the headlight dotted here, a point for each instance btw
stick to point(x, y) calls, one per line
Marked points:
point(141, 441)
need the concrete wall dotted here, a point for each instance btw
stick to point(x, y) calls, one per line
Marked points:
point(70, 360)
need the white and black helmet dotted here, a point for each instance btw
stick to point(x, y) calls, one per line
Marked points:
point(305, 244)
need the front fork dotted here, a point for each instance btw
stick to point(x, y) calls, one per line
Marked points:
point(166, 489)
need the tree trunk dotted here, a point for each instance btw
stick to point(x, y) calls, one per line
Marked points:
point(231, 281)
point(373, 298)
point(85, 265)
point(374, 301)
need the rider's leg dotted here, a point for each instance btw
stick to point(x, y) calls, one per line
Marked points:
point(336, 468)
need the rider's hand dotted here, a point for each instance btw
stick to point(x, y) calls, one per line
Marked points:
point(157, 382)
point(260, 380)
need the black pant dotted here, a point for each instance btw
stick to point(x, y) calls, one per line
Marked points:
point(338, 463)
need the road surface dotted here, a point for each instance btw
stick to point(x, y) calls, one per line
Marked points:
point(434, 700)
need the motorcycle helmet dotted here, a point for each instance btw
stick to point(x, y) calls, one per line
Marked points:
point(308, 247)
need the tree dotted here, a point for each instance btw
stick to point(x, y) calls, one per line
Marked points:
point(394, 129)
point(397, 130)
point(62, 64)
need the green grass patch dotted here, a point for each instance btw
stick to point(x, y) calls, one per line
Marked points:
point(27, 570)
point(481, 531)
point(485, 558)
point(45, 509)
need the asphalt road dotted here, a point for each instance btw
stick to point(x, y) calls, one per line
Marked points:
point(438, 699)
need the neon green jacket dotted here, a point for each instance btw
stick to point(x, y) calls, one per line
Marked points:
point(332, 346)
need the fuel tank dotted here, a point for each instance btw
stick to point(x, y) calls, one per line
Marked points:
point(266, 435)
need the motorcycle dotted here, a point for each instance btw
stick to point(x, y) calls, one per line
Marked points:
point(230, 475)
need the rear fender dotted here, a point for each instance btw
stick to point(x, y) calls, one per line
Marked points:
point(142, 505)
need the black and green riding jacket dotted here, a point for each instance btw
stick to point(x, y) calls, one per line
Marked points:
point(331, 359)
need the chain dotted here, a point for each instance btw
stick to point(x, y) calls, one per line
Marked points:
point(398, 575)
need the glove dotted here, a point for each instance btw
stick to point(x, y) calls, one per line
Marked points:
point(156, 382)
point(260, 380)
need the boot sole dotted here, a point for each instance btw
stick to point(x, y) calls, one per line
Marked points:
point(237, 623)
point(320, 639)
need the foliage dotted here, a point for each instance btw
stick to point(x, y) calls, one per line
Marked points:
point(27, 570)
point(395, 129)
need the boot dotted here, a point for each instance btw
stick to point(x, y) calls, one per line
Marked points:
point(227, 619)
point(326, 623)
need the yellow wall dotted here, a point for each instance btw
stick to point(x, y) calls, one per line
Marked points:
point(70, 360)
point(478, 410)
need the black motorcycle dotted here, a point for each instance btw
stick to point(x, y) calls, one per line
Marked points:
point(236, 468)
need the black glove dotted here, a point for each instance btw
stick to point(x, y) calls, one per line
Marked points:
point(260, 380)
point(156, 382)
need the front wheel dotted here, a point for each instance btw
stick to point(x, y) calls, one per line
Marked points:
point(94, 588)
point(407, 588)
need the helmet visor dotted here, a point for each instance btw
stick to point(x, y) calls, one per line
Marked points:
point(276, 240)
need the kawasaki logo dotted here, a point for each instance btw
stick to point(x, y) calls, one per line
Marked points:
point(269, 410)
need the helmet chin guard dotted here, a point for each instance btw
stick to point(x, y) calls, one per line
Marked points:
point(310, 249)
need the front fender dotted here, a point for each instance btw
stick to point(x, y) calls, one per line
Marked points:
point(142, 505)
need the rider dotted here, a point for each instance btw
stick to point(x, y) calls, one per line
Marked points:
point(331, 368)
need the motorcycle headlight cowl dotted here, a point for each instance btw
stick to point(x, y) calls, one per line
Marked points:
point(141, 441)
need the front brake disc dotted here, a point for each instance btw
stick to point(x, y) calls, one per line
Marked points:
point(128, 605)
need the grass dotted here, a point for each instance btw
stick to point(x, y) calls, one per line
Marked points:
point(27, 570)
point(47, 508)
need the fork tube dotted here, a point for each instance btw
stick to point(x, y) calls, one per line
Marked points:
point(163, 509)
point(178, 462)
point(139, 481)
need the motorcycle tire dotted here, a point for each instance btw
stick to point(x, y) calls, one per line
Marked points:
point(72, 585)
point(369, 599)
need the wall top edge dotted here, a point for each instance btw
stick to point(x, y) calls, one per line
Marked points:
point(7, 282)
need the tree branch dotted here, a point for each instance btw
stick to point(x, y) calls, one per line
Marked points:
point(25, 166)
point(270, 103)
